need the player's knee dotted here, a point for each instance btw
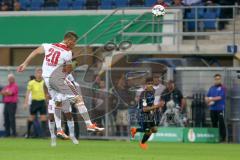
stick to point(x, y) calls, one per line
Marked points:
point(154, 130)
point(79, 100)
point(58, 104)
point(148, 133)
point(69, 116)
point(51, 117)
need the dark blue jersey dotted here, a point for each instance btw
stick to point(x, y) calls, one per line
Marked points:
point(147, 100)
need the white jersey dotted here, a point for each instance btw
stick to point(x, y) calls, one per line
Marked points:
point(55, 55)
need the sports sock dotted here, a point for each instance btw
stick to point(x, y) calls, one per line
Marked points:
point(57, 117)
point(51, 126)
point(84, 113)
point(71, 128)
point(145, 138)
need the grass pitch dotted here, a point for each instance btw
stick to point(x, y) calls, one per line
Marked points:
point(37, 149)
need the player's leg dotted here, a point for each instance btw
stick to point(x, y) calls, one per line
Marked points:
point(134, 130)
point(149, 128)
point(73, 89)
point(146, 136)
point(51, 122)
point(50, 95)
point(70, 124)
point(58, 121)
point(79, 104)
point(67, 111)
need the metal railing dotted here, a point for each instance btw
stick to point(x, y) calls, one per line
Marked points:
point(196, 35)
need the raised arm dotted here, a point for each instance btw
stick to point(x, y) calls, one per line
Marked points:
point(22, 67)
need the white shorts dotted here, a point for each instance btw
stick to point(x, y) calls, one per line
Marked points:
point(51, 91)
point(64, 83)
point(66, 107)
point(56, 95)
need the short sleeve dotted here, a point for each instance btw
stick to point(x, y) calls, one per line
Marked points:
point(29, 86)
point(46, 47)
point(209, 92)
point(222, 93)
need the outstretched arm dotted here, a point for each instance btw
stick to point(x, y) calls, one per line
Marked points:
point(22, 67)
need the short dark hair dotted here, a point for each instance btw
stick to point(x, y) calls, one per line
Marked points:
point(70, 35)
point(149, 79)
point(217, 75)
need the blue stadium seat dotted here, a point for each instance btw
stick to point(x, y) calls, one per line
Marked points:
point(78, 4)
point(216, 10)
point(121, 3)
point(136, 3)
point(149, 3)
point(36, 5)
point(24, 4)
point(200, 12)
point(64, 4)
point(106, 4)
point(92, 4)
point(210, 24)
point(190, 24)
point(191, 15)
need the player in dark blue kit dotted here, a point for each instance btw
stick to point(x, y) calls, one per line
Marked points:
point(147, 118)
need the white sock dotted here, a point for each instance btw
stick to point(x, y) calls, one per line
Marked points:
point(71, 128)
point(84, 113)
point(57, 117)
point(51, 126)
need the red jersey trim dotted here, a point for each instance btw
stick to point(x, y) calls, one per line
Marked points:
point(61, 46)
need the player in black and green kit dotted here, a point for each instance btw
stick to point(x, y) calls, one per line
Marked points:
point(147, 119)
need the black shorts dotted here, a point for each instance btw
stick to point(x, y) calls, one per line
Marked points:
point(38, 106)
point(146, 126)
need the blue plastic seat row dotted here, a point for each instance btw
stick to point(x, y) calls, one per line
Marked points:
point(81, 4)
point(208, 16)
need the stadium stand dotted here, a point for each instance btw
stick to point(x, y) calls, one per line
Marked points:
point(106, 4)
point(64, 4)
point(36, 5)
point(78, 4)
point(149, 3)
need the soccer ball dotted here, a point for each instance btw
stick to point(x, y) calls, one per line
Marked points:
point(158, 10)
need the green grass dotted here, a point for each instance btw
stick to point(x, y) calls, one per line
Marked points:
point(36, 149)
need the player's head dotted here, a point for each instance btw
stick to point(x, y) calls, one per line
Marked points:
point(149, 84)
point(38, 73)
point(217, 79)
point(70, 39)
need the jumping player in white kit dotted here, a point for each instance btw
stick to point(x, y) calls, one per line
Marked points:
point(56, 56)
